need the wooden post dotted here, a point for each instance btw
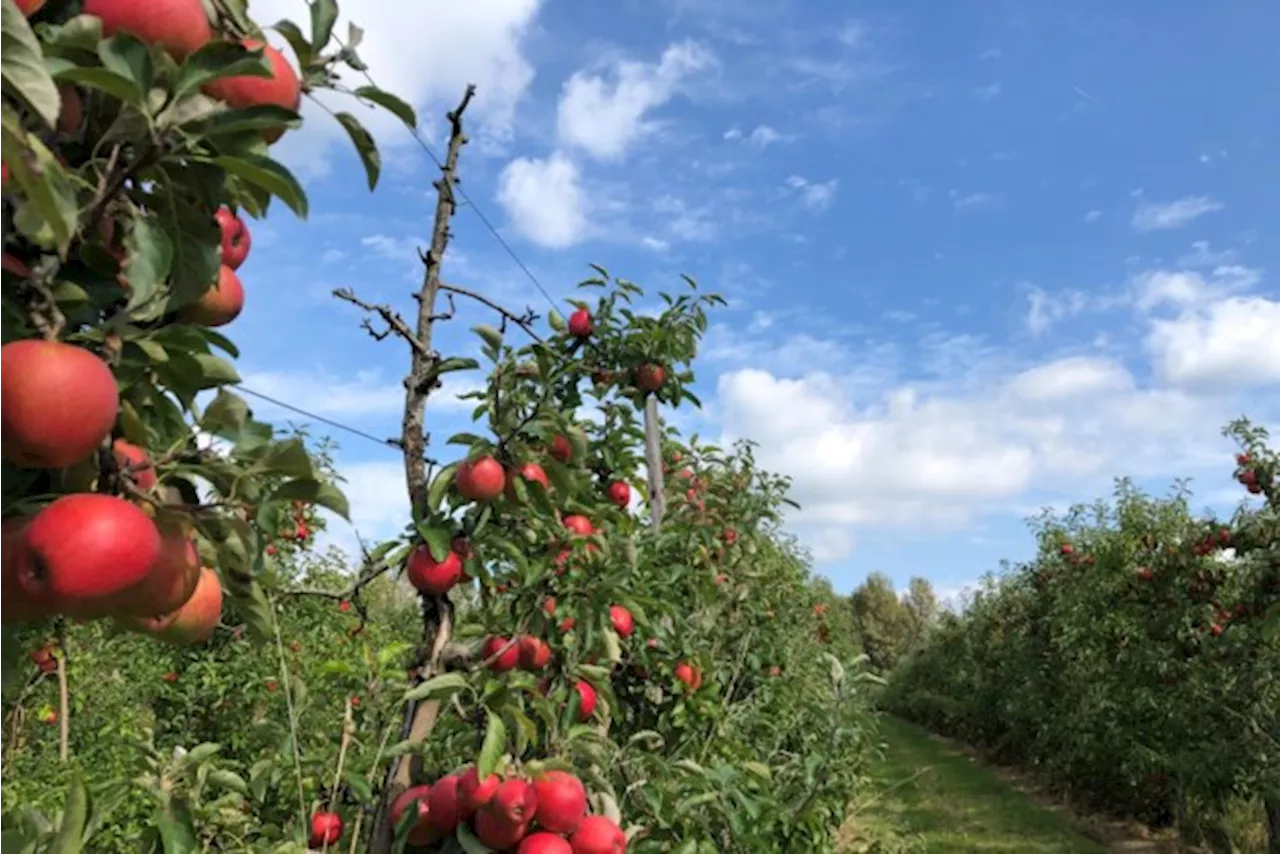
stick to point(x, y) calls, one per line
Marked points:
point(653, 459)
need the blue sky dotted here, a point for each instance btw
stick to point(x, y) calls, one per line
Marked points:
point(980, 256)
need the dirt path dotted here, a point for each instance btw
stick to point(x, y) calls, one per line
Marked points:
point(936, 797)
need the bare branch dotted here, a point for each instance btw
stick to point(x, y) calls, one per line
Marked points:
point(395, 323)
point(524, 321)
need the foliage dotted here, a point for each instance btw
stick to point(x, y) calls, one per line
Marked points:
point(889, 626)
point(1137, 658)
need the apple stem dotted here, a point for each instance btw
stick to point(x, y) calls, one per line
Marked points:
point(64, 717)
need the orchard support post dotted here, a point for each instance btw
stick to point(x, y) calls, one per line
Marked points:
point(653, 459)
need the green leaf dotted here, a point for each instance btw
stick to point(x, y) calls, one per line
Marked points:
point(269, 175)
point(226, 414)
point(556, 319)
point(229, 780)
point(390, 102)
point(259, 117)
point(358, 786)
point(468, 842)
point(313, 492)
point(101, 79)
point(216, 371)
point(438, 537)
point(759, 769)
point(76, 812)
point(437, 686)
point(455, 363)
point(219, 59)
point(252, 605)
point(130, 59)
point(290, 458)
point(293, 35)
point(49, 197)
point(324, 14)
point(365, 147)
point(148, 259)
point(22, 67)
point(177, 830)
point(494, 745)
point(201, 752)
point(440, 487)
point(491, 336)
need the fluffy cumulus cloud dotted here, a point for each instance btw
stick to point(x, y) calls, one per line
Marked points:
point(412, 51)
point(602, 112)
point(544, 200)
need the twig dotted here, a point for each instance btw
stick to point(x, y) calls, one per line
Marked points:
point(524, 321)
point(395, 323)
point(348, 728)
point(64, 705)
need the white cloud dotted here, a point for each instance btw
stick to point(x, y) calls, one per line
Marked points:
point(1232, 343)
point(1045, 309)
point(761, 137)
point(367, 394)
point(544, 199)
point(1070, 378)
point(1159, 216)
point(605, 117)
point(989, 92)
point(412, 51)
point(969, 200)
point(1093, 216)
point(815, 196)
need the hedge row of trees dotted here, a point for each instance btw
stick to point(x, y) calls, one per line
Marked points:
point(1136, 659)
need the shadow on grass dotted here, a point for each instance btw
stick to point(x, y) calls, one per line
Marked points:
point(949, 803)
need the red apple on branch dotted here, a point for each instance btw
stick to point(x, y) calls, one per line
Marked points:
point(235, 237)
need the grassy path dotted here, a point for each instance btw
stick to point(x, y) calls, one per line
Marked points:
point(949, 803)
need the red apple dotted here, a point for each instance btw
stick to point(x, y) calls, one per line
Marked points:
point(544, 843)
point(415, 799)
point(620, 493)
point(219, 305)
point(508, 654)
point(598, 835)
point(16, 604)
point(481, 479)
point(514, 802)
point(44, 659)
point(83, 548)
point(1066, 549)
point(473, 793)
point(169, 583)
point(326, 829)
point(235, 237)
point(1145, 573)
point(549, 606)
point(580, 525)
point(623, 623)
point(344, 606)
point(58, 403)
point(586, 700)
point(534, 653)
point(179, 26)
point(567, 624)
point(580, 325)
point(281, 89)
point(30, 7)
point(135, 460)
point(194, 622)
point(689, 675)
point(775, 670)
point(498, 833)
point(650, 377)
point(444, 807)
point(71, 115)
point(561, 449)
point(432, 577)
point(531, 473)
point(562, 801)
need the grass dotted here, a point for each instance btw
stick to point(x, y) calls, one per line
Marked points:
point(945, 802)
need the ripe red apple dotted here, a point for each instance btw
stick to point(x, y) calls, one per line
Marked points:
point(531, 473)
point(508, 654)
point(580, 525)
point(272, 686)
point(58, 403)
point(326, 829)
point(1145, 573)
point(1215, 630)
point(562, 801)
point(71, 114)
point(135, 460)
point(650, 377)
point(179, 26)
point(432, 577)
point(16, 604)
point(344, 606)
point(652, 643)
point(219, 305)
point(83, 548)
point(415, 799)
point(235, 237)
point(689, 675)
point(586, 700)
point(194, 622)
point(169, 583)
point(534, 653)
point(598, 835)
point(481, 479)
point(544, 843)
point(462, 547)
point(44, 659)
point(567, 624)
point(549, 606)
point(561, 449)
point(730, 536)
point(498, 833)
point(620, 493)
point(514, 802)
point(580, 325)
point(30, 7)
point(282, 88)
point(623, 623)
point(775, 670)
point(444, 807)
point(473, 793)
